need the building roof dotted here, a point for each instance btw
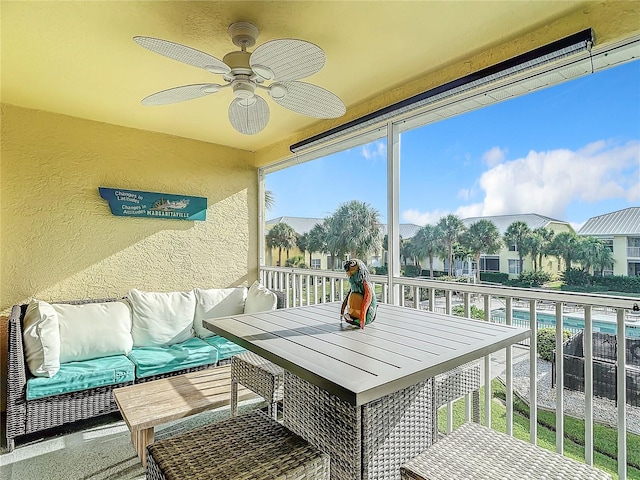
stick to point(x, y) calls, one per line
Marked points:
point(533, 221)
point(304, 224)
point(299, 224)
point(620, 222)
point(407, 230)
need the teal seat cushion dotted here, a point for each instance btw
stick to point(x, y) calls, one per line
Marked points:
point(226, 348)
point(76, 376)
point(191, 353)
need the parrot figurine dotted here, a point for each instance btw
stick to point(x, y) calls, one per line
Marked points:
point(359, 306)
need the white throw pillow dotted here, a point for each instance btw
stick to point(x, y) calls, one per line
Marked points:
point(161, 318)
point(216, 303)
point(94, 330)
point(260, 299)
point(41, 338)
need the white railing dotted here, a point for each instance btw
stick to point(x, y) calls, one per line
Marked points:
point(510, 305)
point(633, 252)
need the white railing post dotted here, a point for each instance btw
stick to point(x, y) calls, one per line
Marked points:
point(288, 290)
point(533, 374)
point(509, 372)
point(587, 337)
point(432, 299)
point(416, 298)
point(559, 379)
point(621, 396)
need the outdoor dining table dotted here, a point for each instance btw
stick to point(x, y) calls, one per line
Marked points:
point(364, 396)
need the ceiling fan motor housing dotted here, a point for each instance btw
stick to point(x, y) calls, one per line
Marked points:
point(243, 34)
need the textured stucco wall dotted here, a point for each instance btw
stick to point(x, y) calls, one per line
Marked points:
point(62, 242)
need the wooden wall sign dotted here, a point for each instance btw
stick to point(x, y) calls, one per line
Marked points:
point(133, 203)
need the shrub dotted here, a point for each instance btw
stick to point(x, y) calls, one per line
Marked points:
point(494, 277)
point(410, 271)
point(576, 276)
point(379, 270)
point(534, 279)
point(296, 262)
point(547, 342)
point(475, 312)
point(618, 283)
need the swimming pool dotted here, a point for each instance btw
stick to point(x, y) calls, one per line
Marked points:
point(573, 324)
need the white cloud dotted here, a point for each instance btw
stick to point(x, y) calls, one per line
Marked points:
point(547, 182)
point(494, 156)
point(465, 193)
point(422, 218)
point(373, 150)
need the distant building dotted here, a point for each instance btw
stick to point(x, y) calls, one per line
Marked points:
point(620, 230)
point(303, 225)
point(506, 260)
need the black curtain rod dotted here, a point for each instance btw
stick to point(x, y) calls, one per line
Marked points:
point(583, 36)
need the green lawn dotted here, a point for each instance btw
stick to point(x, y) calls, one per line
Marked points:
point(605, 439)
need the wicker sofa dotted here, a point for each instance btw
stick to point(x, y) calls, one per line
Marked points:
point(71, 403)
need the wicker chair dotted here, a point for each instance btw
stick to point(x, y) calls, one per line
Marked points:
point(250, 446)
point(479, 453)
point(456, 383)
point(260, 376)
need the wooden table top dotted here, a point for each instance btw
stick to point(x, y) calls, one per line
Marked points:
point(147, 404)
point(402, 347)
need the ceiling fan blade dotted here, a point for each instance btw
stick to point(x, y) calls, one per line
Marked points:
point(307, 99)
point(286, 59)
point(180, 94)
point(249, 115)
point(183, 54)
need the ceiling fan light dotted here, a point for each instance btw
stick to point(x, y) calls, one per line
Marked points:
point(243, 89)
point(277, 91)
point(264, 72)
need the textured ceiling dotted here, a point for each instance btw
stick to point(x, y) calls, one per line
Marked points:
point(78, 58)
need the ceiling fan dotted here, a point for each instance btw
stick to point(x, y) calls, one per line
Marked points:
point(273, 67)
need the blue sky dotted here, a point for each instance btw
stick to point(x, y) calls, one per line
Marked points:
point(569, 152)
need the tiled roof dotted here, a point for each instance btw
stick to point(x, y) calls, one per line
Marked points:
point(299, 224)
point(621, 222)
point(533, 220)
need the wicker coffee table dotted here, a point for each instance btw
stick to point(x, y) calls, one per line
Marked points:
point(149, 404)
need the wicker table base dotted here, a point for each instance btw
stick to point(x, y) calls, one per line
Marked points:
point(250, 446)
point(368, 442)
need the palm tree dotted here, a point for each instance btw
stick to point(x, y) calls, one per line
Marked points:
point(593, 252)
point(303, 245)
point(544, 237)
point(269, 200)
point(317, 240)
point(451, 227)
point(281, 235)
point(354, 228)
point(516, 234)
point(564, 245)
point(427, 243)
point(481, 237)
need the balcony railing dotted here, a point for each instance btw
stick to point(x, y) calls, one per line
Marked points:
point(509, 305)
point(633, 252)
